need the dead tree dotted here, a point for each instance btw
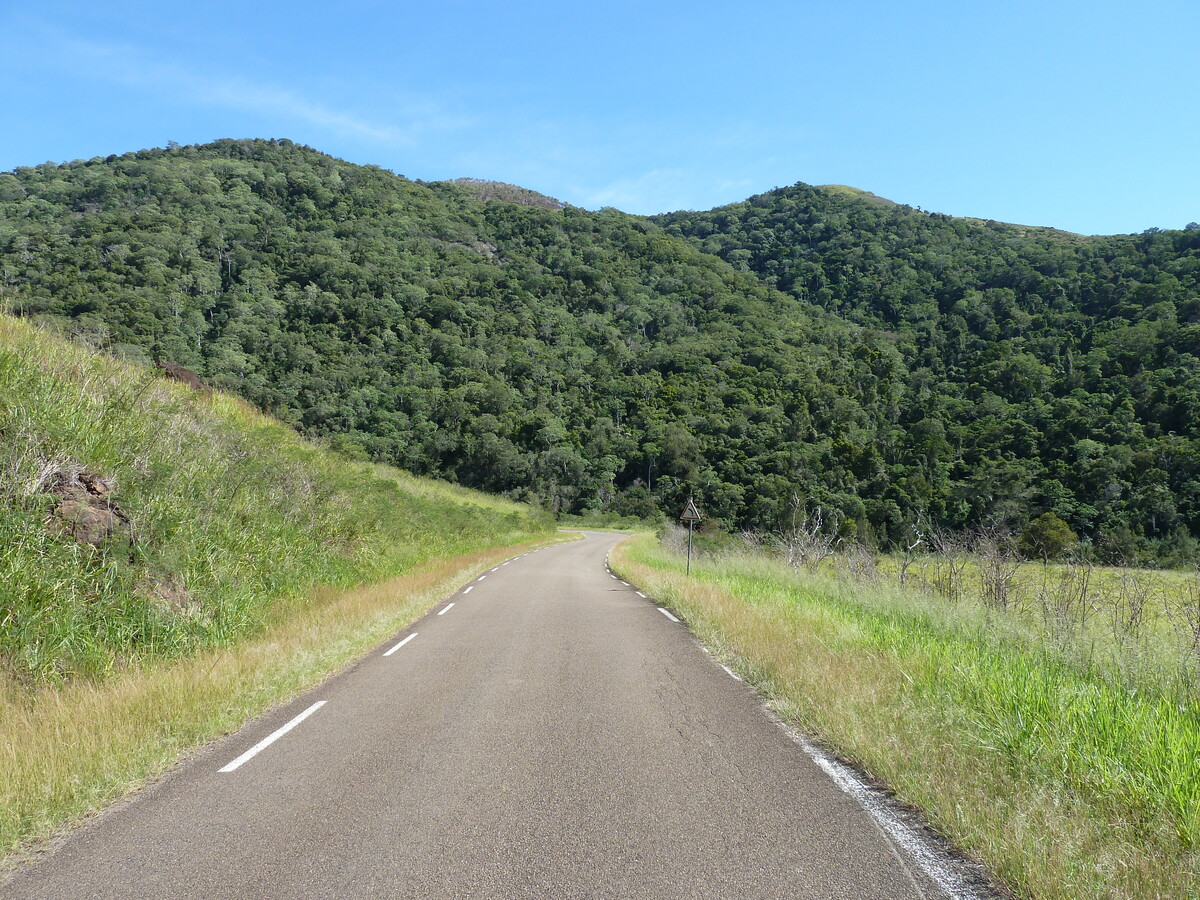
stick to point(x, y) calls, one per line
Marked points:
point(950, 558)
point(810, 539)
point(999, 563)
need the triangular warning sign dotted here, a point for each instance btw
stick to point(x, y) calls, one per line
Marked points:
point(690, 513)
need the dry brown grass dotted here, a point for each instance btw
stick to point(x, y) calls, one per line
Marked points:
point(885, 708)
point(66, 752)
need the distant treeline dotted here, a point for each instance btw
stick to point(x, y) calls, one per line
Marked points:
point(905, 369)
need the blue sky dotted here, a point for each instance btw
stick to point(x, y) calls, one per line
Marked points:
point(1083, 116)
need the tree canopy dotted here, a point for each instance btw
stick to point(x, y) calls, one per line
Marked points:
point(904, 368)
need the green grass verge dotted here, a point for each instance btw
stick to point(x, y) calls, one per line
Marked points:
point(234, 518)
point(67, 750)
point(1060, 775)
point(605, 521)
point(253, 564)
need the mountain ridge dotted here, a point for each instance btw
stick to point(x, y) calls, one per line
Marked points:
point(806, 347)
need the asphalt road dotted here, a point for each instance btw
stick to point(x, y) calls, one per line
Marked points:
point(552, 734)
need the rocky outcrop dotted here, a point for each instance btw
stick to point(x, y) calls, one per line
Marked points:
point(84, 508)
point(187, 376)
point(484, 190)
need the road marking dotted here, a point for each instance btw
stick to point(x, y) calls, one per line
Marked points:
point(497, 569)
point(504, 564)
point(273, 737)
point(626, 583)
point(667, 613)
point(401, 644)
point(732, 674)
point(640, 594)
point(466, 590)
point(481, 577)
point(613, 577)
point(948, 875)
point(445, 609)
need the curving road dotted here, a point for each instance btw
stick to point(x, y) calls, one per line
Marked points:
point(551, 734)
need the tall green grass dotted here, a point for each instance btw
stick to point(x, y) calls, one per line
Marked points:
point(67, 749)
point(258, 564)
point(1068, 774)
point(234, 516)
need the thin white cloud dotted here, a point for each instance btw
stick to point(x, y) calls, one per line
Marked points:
point(664, 190)
point(269, 100)
point(184, 85)
point(642, 194)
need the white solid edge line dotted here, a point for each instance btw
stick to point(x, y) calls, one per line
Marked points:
point(943, 873)
point(272, 737)
point(445, 609)
point(468, 589)
point(667, 613)
point(401, 644)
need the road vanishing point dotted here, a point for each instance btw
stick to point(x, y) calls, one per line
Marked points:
point(546, 732)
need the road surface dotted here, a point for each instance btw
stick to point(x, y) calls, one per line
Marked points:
point(546, 732)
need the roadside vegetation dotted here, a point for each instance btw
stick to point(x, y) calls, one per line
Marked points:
point(896, 366)
point(172, 561)
point(1049, 726)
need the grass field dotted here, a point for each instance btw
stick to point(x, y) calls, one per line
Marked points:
point(231, 516)
point(1062, 752)
point(247, 564)
point(70, 749)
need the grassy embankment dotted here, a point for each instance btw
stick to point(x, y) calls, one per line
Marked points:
point(252, 564)
point(1064, 756)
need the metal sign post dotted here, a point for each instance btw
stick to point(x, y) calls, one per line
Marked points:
point(691, 515)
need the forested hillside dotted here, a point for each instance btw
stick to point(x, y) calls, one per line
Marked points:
point(896, 366)
point(1043, 370)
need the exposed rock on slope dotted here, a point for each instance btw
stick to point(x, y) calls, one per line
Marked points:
point(84, 508)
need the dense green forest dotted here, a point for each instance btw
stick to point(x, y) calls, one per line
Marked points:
point(906, 369)
point(1043, 371)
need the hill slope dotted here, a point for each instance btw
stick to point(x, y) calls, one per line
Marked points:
point(140, 519)
point(580, 359)
point(810, 344)
point(1044, 370)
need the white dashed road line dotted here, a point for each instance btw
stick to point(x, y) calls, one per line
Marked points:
point(401, 644)
point(445, 609)
point(667, 613)
point(272, 738)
